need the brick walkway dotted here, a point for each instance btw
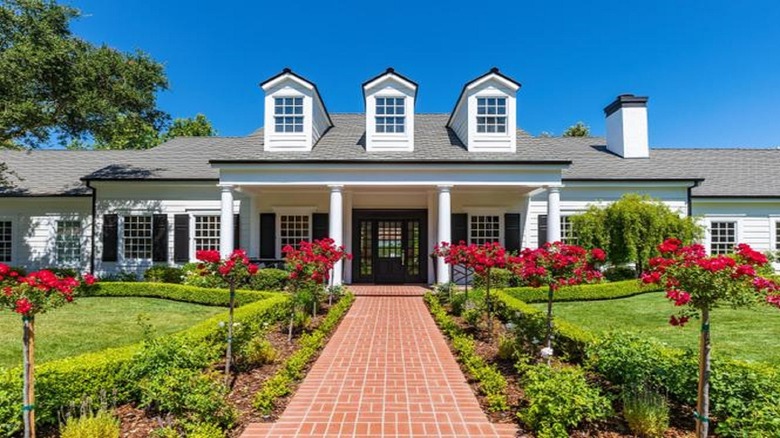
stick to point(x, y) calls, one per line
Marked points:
point(387, 291)
point(387, 371)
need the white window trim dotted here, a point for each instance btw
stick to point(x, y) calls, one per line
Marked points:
point(82, 242)
point(773, 236)
point(293, 211)
point(121, 230)
point(302, 115)
point(388, 135)
point(506, 115)
point(708, 227)
point(567, 215)
point(14, 238)
point(486, 212)
point(193, 215)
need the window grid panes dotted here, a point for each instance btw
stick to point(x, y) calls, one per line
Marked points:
point(567, 231)
point(390, 114)
point(207, 233)
point(6, 239)
point(491, 114)
point(293, 229)
point(288, 114)
point(777, 236)
point(137, 237)
point(723, 237)
point(484, 229)
point(68, 241)
point(366, 247)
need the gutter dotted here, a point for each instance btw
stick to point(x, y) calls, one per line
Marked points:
point(690, 191)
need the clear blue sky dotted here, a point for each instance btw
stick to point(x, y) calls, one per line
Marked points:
point(710, 68)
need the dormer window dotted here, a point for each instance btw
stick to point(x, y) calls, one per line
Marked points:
point(491, 114)
point(390, 115)
point(288, 114)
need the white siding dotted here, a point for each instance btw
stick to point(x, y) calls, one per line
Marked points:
point(755, 219)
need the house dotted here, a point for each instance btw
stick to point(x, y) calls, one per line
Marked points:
point(387, 184)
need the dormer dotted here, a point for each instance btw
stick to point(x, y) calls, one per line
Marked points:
point(389, 100)
point(295, 116)
point(484, 117)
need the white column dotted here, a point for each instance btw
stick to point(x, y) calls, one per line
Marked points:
point(444, 230)
point(226, 223)
point(432, 218)
point(336, 228)
point(553, 214)
point(348, 235)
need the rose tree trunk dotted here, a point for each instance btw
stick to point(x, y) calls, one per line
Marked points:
point(28, 345)
point(703, 400)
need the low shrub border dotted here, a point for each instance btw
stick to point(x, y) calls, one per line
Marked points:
point(745, 395)
point(491, 382)
point(177, 292)
point(72, 380)
point(583, 292)
point(281, 383)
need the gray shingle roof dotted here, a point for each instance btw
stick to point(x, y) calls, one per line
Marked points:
point(726, 172)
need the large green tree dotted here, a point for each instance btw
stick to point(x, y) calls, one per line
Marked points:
point(578, 129)
point(58, 88)
point(631, 229)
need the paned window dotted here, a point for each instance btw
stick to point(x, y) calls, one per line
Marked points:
point(777, 236)
point(293, 228)
point(137, 237)
point(484, 229)
point(68, 241)
point(288, 114)
point(6, 241)
point(491, 114)
point(390, 114)
point(567, 231)
point(723, 237)
point(207, 233)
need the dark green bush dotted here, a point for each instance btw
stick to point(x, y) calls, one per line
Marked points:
point(559, 398)
point(122, 276)
point(65, 272)
point(620, 273)
point(499, 279)
point(269, 279)
point(583, 292)
point(178, 292)
point(193, 275)
point(164, 274)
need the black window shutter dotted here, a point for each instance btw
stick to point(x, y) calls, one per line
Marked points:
point(542, 227)
point(236, 231)
point(512, 231)
point(267, 235)
point(110, 237)
point(459, 228)
point(181, 238)
point(320, 228)
point(160, 238)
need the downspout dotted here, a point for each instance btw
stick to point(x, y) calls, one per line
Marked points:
point(92, 234)
point(690, 190)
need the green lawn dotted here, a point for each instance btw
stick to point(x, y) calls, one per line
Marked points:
point(95, 323)
point(752, 334)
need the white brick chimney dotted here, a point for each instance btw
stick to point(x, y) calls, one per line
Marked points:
point(627, 126)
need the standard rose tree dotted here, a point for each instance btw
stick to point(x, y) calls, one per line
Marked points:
point(555, 265)
point(30, 295)
point(235, 271)
point(310, 265)
point(698, 283)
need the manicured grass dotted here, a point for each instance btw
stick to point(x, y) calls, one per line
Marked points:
point(751, 334)
point(95, 323)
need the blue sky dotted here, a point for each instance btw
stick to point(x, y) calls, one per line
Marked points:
point(710, 68)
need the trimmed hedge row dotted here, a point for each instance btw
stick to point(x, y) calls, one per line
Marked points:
point(745, 396)
point(491, 382)
point(583, 292)
point(71, 380)
point(281, 383)
point(178, 292)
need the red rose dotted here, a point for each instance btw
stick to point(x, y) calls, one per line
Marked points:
point(23, 306)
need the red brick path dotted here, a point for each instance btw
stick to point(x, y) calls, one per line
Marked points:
point(387, 371)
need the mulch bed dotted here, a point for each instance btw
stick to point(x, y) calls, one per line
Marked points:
point(487, 347)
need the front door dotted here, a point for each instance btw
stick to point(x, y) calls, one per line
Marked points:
point(389, 247)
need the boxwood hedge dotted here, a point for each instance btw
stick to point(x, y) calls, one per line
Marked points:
point(583, 292)
point(178, 292)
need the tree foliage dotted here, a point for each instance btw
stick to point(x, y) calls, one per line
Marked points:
point(631, 229)
point(55, 86)
point(578, 129)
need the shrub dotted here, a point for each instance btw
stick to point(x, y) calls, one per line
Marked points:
point(195, 275)
point(583, 292)
point(122, 276)
point(165, 432)
point(190, 395)
point(559, 398)
point(499, 279)
point(620, 273)
point(178, 292)
point(646, 412)
point(204, 430)
point(258, 351)
point(102, 424)
point(506, 347)
point(164, 274)
point(269, 279)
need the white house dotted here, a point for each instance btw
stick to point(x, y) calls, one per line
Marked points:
point(387, 184)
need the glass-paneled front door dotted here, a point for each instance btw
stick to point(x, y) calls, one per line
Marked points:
point(389, 246)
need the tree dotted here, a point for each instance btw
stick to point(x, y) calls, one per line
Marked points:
point(55, 86)
point(199, 126)
point(578, 129)
point(631, 229)
point(134, 133)
point(699, 283)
